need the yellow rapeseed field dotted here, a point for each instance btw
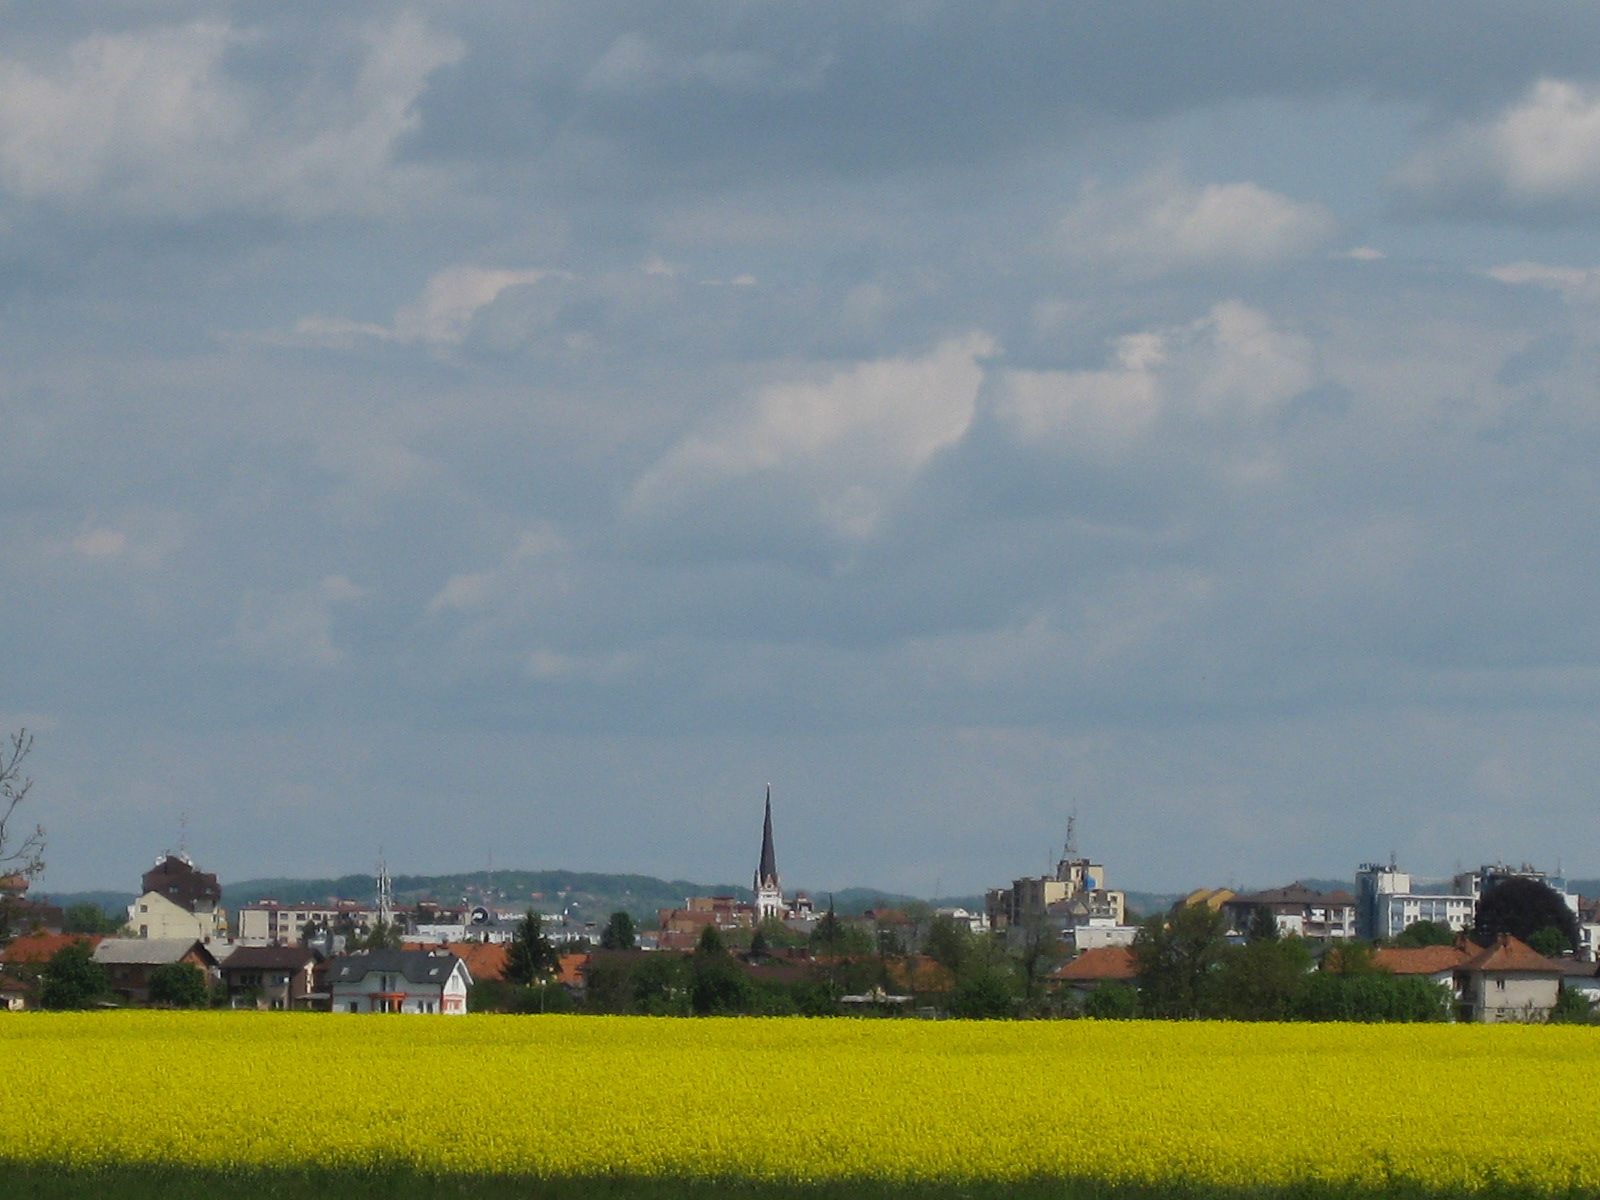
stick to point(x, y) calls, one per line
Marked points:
point(791, 1099)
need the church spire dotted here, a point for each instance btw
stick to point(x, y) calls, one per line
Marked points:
point(767, 871)
point(769, 892)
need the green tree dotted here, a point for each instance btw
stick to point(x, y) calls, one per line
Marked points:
point(1572, 1008)
point(1040, 953)
point(89, 918)
point(1262, 980)
point(179, 985)
point(1350, 958)
point(1179, 955)
point(661, 986)
point(619, 933)
point(985, 991)
point(383, 935)
point(1111, 1000)
point(1421, 934)
point(950, 943)
point(531, 957)
point(1550, 942)
point(1263, 925)
point(836, 938)
point(718, 986)
point(1522, 907)
point(72, 979)
point(1372, 996)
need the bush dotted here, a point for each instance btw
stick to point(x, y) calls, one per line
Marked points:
point(1111, 1000)
point(72, 979)
point(179, 985)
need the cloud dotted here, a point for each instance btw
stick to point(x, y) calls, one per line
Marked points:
point(153, 124)
point(1540, 157)
point(537, 566)
point(1225, 370)
point(1574, 284)
point(294, 629)
point(440, 318)
point(1165, 224)
point(850, 444)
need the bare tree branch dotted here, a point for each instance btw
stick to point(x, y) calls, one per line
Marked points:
point(19, 855)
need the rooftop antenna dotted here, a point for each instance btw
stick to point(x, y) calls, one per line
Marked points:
point(183, 836)
point(1072, 833)
point(385, 893)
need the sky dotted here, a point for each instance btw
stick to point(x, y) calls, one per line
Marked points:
point(469, 433)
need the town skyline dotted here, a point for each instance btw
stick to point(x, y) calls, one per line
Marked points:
point(448, 428)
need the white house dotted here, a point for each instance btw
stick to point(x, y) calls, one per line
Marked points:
point(399, 981)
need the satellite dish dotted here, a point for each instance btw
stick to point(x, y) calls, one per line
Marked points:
point(480, 915)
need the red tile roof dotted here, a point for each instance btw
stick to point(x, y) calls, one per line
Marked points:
point(1506, 953)
point(570, 970)
point(484, 960)
point(1103, 962)
point(1425, 960)
point(42, 947)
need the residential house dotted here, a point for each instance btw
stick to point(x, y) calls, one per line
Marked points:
point(398, 981)
point(1298, 910)
point(179, 901)
point(129, 962)
point(1508, 981)
point(274, 978)
point(1104, 964)
point(1580, 977)
point(18, 914)
point(23, 960)
point(1437, 964)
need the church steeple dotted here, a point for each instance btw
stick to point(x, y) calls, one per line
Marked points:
point(769, 892)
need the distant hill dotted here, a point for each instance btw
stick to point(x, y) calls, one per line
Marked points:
point(113, 904)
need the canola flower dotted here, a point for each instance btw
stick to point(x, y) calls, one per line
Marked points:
point(795, 1100)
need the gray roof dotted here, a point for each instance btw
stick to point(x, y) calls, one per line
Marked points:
point(418, 966)
point(268, 958)
point(147, 951)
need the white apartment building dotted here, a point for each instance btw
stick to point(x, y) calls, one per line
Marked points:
point(268, 922)
point(1389, 899)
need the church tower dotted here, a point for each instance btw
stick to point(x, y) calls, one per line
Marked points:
point(769, 892)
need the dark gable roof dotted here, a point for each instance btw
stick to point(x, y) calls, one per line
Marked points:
point(179, 882)
point(268, 958)
point(418, 966)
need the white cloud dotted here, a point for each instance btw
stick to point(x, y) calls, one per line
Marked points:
point(536, 566)
point(296, 629)
point(100, 542)
point(852, 441)
point(441, 317)
point(1541, 152)
point(1165, 223)
point(1226, 368)
point(152, 123)
point(1574, 284)
point(453, 297)
point(143, 538)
